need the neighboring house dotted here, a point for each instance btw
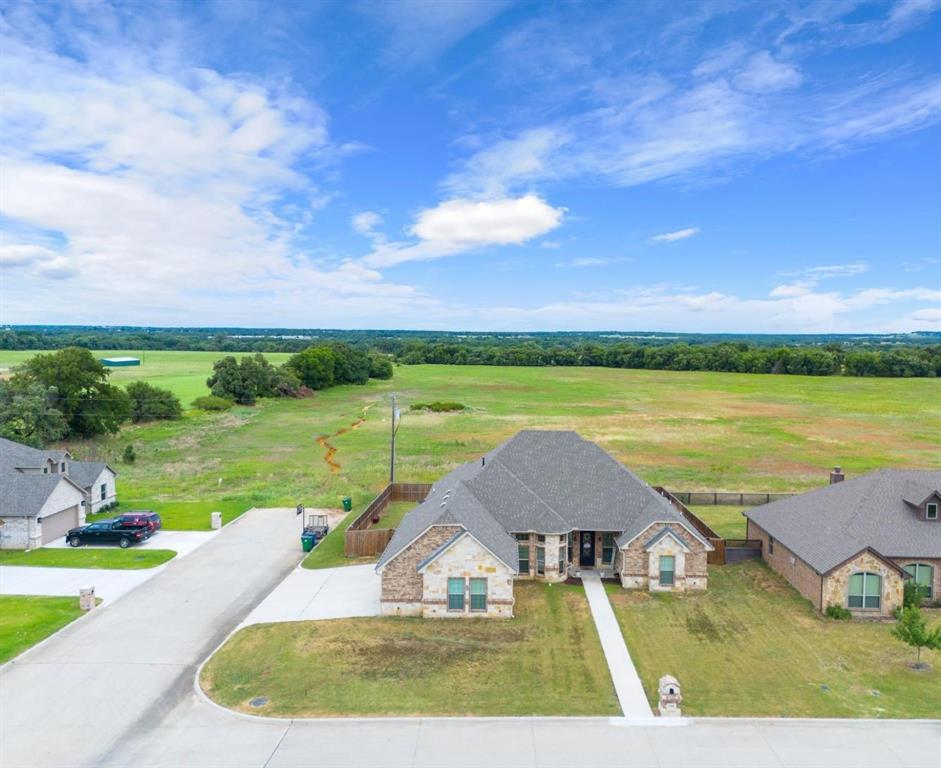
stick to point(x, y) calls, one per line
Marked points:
point(546, 506)
point(853, 543)
point(45, 493)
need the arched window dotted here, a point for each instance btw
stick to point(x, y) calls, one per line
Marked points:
point(923, 575)
point(865, 591)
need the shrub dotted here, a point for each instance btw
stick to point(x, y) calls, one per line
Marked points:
point(438, 407)
point(913, 594)
point(212, 403)
point(130, 455)
point(838, 612)
point(150, 403)
point(380, 366)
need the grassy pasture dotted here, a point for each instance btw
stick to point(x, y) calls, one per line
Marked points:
point(750, 645)
point(686, 431)
point(546, 661)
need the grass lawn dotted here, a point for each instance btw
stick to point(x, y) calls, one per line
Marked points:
point(750, 645)
point(547, 661)
point(115, 559)
point(728, 522)
point(394, 513)
point(182, 515)
point(25, 620)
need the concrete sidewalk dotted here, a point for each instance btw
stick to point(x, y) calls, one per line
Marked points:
point(627, 685)
point(326, 593)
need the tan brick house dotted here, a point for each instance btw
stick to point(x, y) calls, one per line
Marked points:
point(545, 505)
point(854, 543)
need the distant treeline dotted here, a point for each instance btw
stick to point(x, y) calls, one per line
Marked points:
point(727, 357)
point(890, 355)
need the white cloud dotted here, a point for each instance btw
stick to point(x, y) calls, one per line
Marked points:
point(365, 223)
point(459, 225)
point(762, 74)
point(680, 234)
point(501, 222)
point(20, 255)
point(831, 270)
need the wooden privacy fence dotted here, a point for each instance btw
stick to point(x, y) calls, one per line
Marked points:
point(727, 498)
point(717, 556)
point(363, 541)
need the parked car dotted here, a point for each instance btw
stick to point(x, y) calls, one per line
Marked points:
point(106, 531)
point(138, 517)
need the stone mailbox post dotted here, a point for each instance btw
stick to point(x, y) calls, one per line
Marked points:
point(216, 520)
point(670, 696)
point(86, 598)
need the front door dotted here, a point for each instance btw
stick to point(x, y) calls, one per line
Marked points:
point(586, 549)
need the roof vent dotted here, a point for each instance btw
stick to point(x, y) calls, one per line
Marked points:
point(837, 476)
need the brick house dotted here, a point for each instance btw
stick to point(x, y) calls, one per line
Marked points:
point(545, 505)
point(45, 493)
point(854, 543)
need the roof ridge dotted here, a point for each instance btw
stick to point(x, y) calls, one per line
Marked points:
point(530, 490)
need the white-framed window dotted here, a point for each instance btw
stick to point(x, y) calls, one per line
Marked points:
point(522, 543)
point(104, 491)
point(607, 548)
point(865, 591)
point(478, 595)
point(771, 545)
point(923, 575)
point(563, 558)
point(931, 511)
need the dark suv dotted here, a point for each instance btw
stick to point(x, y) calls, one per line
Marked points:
point(138, 517)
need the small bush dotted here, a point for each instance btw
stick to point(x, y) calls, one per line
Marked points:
point(838, 612)
point(913, 594)
point(438, 407)
point(130, 455)
point(212, 403)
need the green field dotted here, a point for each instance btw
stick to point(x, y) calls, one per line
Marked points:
point(728, 522)
point(546, 661)
point(24, 621)
point(184, 373)
point(113, 559)
point(683, 430)
point(750, 645)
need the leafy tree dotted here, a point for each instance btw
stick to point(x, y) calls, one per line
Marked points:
point(130, 455)
point(912, 628)
point(90, 405)
point(380, 366)
point(350, 365)
point(232, 381)
point(315, 367)
point(150, 403)
point(28, 413)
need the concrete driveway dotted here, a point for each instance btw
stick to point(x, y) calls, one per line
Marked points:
point(109, 584)
point(93, 687)
point(328, 593)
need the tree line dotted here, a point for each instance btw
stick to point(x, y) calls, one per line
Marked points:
point(732, 357)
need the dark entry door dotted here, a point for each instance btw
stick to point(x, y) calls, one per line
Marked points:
point(586, 549)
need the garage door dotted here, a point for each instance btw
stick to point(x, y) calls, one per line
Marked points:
point(58, 524)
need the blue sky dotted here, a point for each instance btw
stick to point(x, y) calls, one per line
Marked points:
point(763, 167)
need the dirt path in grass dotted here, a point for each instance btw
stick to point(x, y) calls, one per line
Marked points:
point(330, 450)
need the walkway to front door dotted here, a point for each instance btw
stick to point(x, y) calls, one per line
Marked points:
point(627, 683)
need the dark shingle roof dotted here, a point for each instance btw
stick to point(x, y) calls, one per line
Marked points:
point(24, 495)
point(827, 526)
point(84, 473)
point(541, 481)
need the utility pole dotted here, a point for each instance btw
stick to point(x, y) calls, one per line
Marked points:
point(395, 428)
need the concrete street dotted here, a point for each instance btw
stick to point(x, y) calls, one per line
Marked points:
point(117, 689)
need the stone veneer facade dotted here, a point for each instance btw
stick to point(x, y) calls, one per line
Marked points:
point(401, 592)
point(639, 568)
point(467, 559)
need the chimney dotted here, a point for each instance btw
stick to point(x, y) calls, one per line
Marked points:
point(836, 475)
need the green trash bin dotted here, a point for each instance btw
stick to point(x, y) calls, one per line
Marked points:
point(347, 504)
point(307, 541)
